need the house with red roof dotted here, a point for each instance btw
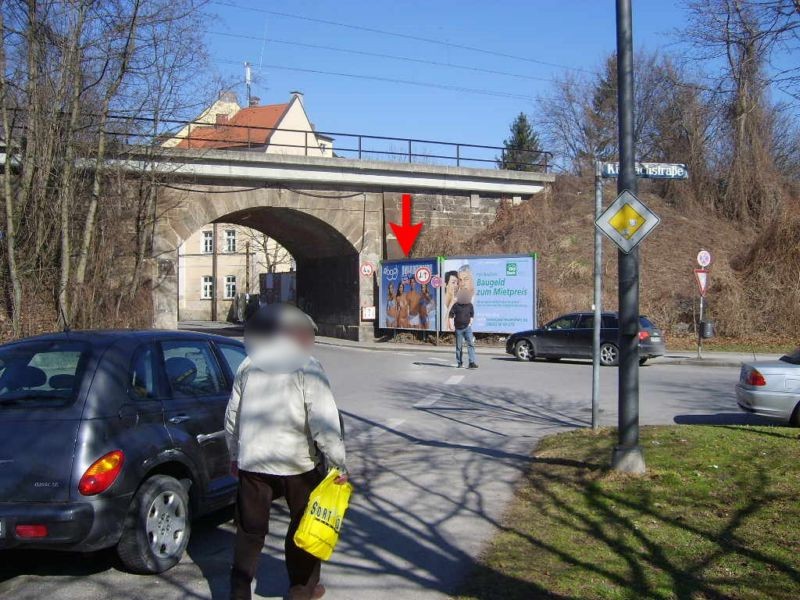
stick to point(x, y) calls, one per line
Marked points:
point(272, 128)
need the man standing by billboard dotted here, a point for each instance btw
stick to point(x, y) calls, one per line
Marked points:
point(461, 316)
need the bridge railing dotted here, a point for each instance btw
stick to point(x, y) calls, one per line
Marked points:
point(226, 136)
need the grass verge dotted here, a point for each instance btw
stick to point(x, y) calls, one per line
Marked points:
point(716, 516)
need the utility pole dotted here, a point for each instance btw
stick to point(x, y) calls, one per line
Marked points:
point(628, 456)
point(598, 294)
point(247, 80)
point(214, 272)
point(247, 267)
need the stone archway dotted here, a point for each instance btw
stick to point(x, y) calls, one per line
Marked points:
point(328, 234)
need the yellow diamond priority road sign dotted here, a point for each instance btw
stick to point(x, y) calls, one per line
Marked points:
point(627, 221)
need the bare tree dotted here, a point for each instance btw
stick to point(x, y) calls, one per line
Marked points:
point(81, 79)
point(746, 34)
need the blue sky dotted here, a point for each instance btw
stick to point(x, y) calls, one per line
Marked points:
point(572, 33)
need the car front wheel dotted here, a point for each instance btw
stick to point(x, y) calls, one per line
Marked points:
point(609, 355)
point(523, 350)
point(157, 527)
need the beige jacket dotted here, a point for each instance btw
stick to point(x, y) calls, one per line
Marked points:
point(280, 407)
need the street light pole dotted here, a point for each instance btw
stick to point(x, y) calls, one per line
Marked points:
point(628, 456)
point(598, 295)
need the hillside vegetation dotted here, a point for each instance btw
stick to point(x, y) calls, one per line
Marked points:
point(754, 290)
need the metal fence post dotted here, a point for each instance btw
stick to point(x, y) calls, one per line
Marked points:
point(305, 144)
point(359, 147)
point(458, 155)
point(409, 150)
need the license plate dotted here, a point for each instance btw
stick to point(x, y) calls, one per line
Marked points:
point(656, 338)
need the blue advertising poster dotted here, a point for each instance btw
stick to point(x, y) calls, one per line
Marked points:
point(502, 290)
point(408, 299)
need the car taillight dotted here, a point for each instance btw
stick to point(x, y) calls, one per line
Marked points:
point(643, 336)
point(101, 474)
point(755, 378)
point(31, 531)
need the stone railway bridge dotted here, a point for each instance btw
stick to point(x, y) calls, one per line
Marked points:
point(331, 213)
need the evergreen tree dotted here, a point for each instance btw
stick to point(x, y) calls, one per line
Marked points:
point(522, 151)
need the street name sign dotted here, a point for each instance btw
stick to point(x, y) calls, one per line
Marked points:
point(650, 170)
point(627, 221)
point(701, 275)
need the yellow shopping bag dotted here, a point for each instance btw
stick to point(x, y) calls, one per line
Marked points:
point(319, 528)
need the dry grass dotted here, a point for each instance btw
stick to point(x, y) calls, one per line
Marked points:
point(755, 278)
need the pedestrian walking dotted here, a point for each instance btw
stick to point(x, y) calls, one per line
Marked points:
point(460, 318)
point(280, 421)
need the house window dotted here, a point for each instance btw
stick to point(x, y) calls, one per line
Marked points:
point(207, 288)
point(230, 240)
point(208, 242)
point(230, 286)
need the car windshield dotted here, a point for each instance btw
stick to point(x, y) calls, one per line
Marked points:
point(41, 373)
point(793, 358)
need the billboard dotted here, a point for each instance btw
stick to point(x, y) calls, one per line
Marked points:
point(502, 290)
point(407, 298)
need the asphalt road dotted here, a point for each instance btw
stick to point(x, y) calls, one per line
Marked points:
point(434, 452)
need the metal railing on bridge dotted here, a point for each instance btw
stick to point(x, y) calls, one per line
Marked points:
point(227, 136)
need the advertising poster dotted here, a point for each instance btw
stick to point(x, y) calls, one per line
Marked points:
point(408, 299)
point(502, 290)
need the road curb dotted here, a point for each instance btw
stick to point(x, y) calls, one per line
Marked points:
point(664, 361)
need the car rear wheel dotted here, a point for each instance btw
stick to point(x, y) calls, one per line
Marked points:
point(523, 350)
point(157, 527)
point(609, 355)
point(795, 418)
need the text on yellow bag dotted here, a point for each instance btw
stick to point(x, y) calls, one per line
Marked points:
point(319, 528)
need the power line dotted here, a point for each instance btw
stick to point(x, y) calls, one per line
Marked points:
point(406, 36)
point(380, 55)
point(440, 86)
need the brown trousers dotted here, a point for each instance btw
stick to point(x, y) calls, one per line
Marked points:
point(256, 493)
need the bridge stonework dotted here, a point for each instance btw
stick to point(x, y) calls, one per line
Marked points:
point(330, 221)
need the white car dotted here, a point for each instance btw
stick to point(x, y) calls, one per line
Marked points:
point(772, 388)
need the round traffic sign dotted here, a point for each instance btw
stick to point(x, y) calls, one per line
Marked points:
point(423, 275)
point(704, 258)
point(436, 282)
point(367, 269)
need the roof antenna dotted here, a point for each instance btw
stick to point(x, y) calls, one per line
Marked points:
point(247, 80)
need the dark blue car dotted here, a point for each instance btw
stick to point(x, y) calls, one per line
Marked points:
point(570, 336)
point(114, 438)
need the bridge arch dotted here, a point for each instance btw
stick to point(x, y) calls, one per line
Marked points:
point(328, 235)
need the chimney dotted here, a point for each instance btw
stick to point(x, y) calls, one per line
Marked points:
point(254, 100)
point(222, 119)
point(298, 95)
point(228, 96)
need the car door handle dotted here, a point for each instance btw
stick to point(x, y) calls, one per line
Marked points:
point(177, 419)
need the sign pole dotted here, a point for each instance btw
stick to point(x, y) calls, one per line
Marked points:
point(628, 456)
point(598, 294)
point(700, 329)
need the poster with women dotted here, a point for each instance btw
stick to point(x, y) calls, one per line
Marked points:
point(407, 298)
point(502, 290)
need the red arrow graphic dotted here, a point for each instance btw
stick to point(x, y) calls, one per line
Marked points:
point(406, 233)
